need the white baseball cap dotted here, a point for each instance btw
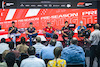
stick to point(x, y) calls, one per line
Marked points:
point(81, 22)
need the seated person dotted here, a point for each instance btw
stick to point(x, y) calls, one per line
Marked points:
point(2, 61)
point(14, 31)
point(73, 54)
point(57, 62)
point(22, 48)
point(32, 61)
point(10, 59)
point(38, 46)
point(47, 52)
point(11, 49)
point(58, 43)
point(4, 54)
point(81, 29)
point(31, 31)
point(3, 46)
point(65, 31)
point(49, 30)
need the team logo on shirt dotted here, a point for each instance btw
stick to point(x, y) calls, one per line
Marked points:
point(51, 29)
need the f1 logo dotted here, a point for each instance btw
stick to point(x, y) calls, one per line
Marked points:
point(81, 4)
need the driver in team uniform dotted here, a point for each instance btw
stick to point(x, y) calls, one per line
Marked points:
point(32, 33)
point(65, 31)
point(49, 30)
point(13, 31)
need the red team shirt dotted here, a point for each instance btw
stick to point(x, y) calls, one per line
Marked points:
point(49, 30)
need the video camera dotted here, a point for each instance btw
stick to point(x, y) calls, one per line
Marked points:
point(86, 33)
point(71, 33)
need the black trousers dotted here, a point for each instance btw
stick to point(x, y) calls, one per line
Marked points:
point(93, 54)
point(63, 36)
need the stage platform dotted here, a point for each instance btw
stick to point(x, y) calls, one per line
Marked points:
point(4, 34)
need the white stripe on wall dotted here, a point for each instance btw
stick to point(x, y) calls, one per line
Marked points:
point(32, 12)
point(10, 14)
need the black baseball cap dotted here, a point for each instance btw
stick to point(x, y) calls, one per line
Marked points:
point(31, 23)
point(13, 22)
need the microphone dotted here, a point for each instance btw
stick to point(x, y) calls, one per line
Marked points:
point(14, 27)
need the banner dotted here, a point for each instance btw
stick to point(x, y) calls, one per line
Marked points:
point(40, 17)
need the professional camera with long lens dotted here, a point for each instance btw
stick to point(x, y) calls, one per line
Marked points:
point(70, 33)
point(86, 32)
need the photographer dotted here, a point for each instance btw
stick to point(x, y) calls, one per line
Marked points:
point(94, 40)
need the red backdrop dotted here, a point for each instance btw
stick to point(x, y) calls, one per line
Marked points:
point(39, 17)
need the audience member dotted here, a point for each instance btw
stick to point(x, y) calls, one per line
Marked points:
point(3, 46)
point(57, 62)
point(38, 46)
point(47, 52)
point(0, 57)
point(73, 54)
point(16, 52)
point(10, 59)
point(22, 48)
point(4, 54)
point(24, 56)
point(32, 61)
point(2, 63)
point(58, 43)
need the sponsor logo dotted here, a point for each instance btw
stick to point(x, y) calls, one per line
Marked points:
point(81, 4)
point(10, 4)
point(88, 4)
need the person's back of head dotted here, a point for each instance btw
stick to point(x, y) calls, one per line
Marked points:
point(97, 26)
point(22, 49)
point(10, 59)
point(74, 41)
point(23, 56)
point(11, 45)
point(38, 39)
point(3, 40)
point(23, 40)
point(57, 52)
point(55, 36)
point(53, 42)
point(31, 51)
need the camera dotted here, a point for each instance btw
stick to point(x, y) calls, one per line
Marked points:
point(71, 33)
point(86, 32)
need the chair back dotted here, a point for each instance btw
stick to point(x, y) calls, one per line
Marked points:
point(75, 65)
